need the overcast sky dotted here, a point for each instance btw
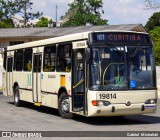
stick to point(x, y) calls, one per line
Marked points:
point(116, 11)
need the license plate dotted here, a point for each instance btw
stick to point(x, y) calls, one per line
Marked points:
point(150, 107)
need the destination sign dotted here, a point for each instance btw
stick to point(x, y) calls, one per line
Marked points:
point(120, 37)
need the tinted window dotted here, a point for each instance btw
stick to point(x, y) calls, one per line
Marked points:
point(28, 60)
point(9, 64)
point(64, 58)
point(4, 60)
point(37, 63)
point(18, 59)
point(49, 61)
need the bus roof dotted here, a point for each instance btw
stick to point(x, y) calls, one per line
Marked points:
point(61, 39)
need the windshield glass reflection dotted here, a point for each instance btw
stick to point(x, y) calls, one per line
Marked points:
point(121, 67)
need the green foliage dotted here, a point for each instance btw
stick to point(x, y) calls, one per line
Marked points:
point(4, 10)
point(82, 12)
point(9, 8)
point(5, 15)
point(23, 6)
point(155, 34)
point(8, 23)
point(153, 21)
point(43, 22)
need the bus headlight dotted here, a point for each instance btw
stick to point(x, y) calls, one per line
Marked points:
point(100, 103)
point(150, 101)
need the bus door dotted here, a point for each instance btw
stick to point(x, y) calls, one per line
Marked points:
point(36, 85)
point(78, 82)
point(9, 76)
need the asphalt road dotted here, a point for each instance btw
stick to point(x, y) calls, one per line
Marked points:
point(32, 118)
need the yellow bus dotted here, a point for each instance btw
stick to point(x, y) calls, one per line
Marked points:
point(105, 73)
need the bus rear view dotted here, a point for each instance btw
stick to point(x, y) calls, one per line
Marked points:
point(122, 74)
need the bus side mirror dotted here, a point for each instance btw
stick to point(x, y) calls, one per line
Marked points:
point(88, 54)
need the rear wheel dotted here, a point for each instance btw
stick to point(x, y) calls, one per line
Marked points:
point(64, 106)
point(17, 100)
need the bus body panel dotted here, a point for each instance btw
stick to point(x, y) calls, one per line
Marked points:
point(121, 110)
point(51, 83)
point(50, 100)
point(122, 102)
point(80, 44)
point(4, 83)
point(8, 76)
point(137, 99)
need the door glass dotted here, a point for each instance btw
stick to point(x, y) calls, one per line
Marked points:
point(37, 63)
point(9, 64)
point(78, 81)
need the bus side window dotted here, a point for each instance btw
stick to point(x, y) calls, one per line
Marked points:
point(18, 60)
point(4, 60)
point(64, 58)
point(49, 61)
point(28, 60)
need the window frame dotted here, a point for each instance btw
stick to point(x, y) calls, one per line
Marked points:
point(17, 59)
point(60, 46)
point(26, 63)
point(4, 60)
point(49, 67)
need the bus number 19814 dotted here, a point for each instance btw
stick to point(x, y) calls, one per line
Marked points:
point(108, 96)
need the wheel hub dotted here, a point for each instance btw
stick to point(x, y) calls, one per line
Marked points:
point(65, 105)
point(16, 98)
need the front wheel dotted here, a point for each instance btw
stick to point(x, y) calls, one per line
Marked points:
point(17, 101)
point(64, 106)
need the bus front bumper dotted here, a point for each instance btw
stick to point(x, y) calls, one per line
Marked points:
point(122, 109)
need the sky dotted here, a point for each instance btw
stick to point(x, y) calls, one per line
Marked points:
point(115, 11)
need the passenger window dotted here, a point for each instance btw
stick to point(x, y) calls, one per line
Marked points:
point(9, 64)
point(28, 60)
point(4, 60)
point(49, 62)
point(64, 58)
point(18, 60)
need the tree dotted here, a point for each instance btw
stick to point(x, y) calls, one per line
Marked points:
point(155, 34)
point(9, 8)
point(43, 22)
point(7, 23)
point(23, 7)
point(5, 15)
point(82, 12)
point(151, 4)
point(153, 21)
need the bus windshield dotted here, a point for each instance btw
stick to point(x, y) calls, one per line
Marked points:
point(122, 67)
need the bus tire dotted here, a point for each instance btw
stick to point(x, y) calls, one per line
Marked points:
point(17, 101)
point(63, 106)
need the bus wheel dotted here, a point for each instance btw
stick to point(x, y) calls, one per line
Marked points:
point(17, 101)
point(63, 106)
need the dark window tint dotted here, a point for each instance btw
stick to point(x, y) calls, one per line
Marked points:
point(18, 59)
point(37, 63)
point(28, 60)
point(49, 59)
point(64, 58)
point(4, 60)
point(9, 64)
